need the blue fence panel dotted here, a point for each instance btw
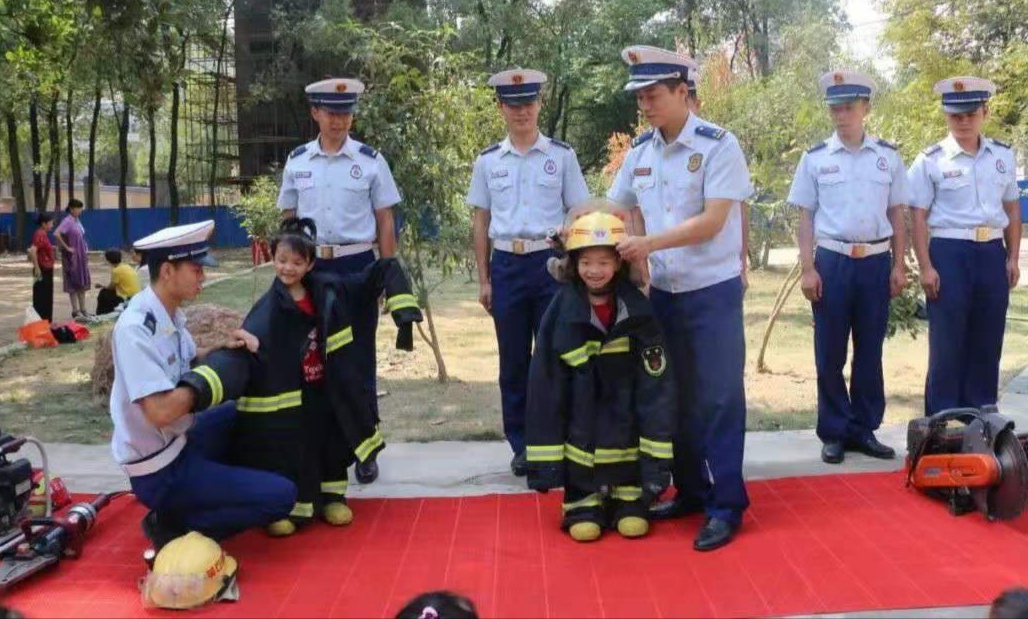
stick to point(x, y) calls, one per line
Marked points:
point(1024, 198)
point(103, 227)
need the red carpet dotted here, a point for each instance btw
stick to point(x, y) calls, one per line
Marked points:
point(809, 545)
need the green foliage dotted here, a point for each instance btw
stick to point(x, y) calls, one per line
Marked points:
point(258, 211)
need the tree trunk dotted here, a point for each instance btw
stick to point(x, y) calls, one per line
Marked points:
point(91, 163)
point(123, 161)
point(433, 342)
point(151, 115)
point(212, 183)
point(37, 180)
point(53, 166)
point(173, 155)
point(69, 126)
point(17, 179)
point(784, 291)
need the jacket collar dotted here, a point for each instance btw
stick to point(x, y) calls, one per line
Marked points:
point(631, 303)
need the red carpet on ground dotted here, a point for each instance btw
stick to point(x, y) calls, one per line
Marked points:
point(809, 545)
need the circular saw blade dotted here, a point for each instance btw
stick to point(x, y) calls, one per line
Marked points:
point(1008, 498)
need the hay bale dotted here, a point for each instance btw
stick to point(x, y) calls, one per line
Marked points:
point(209, 324)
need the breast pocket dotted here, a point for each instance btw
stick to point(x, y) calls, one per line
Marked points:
point(357, 193)
point(955, 185)
point(831, 189)
point(501, 192)
point(548, 190)
point(879, 186)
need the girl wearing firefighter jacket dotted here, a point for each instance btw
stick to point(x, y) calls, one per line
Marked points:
point(600, 396)
point(303, 410)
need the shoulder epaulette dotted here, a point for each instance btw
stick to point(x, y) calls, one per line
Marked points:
point(714, 133)
point(1003, 144)
point(887, 144)
point(817, 147)
point(561, 144)
point(490, 149)
point(367, 150)
point(150, 322)
point(931, 150)
point(642, 139)
point(299, 151)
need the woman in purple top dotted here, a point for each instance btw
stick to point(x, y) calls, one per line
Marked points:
point(71, 236)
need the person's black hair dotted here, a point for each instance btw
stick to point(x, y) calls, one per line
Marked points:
point(1011, 604)
point(674, 82)
point(113, 256)
point(298, 235)
point(72, 204)
point(42, 218)
point(439, 605)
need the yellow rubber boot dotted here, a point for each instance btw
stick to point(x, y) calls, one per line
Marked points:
point(633, 526)
point(585, 531)
point(281, 528)
point(338, 514)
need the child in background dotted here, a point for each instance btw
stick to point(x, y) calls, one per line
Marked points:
point(600, 398)
point(123, 286)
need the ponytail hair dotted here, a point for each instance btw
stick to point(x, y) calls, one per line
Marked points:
point(299, 235)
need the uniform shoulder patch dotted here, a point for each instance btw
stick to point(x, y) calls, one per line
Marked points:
point(299, 151)
point(150, 322)
point(642, 139)
point(490, 148)
point(714, 133)
point(1003, 144)
point(654, 360)
point(887, 144)
point(367, 150)
point(817, 147)
point(931, 150)
point(561, 144)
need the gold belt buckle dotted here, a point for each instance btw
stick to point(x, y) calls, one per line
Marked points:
point(325, 252)
point(982, 234)
point(858, 250)
point(518, 246)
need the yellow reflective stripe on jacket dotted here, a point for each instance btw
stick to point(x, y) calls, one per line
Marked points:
point(338, 340)
point(626, 493)
point(593, 500)
point(614, 456)
point(370, 444)
point(302, 510)
point(580, 355)
point(334, 487)
point(545, 453)
point(616, 345)
point(289, 399)
point(656, 449)
point(400, 301)
point(578, 456)
point(214, 381)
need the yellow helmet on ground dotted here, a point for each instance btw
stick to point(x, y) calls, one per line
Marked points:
point(595, 229)
point(189, 571)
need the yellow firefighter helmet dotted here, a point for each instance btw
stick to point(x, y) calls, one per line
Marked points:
point(188, 572)
point(596, 229)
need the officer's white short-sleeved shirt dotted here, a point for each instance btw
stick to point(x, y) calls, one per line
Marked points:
point(670, 183)
point(850, 192)
point(527, 195)
point(340, 191)
point(151, 352)
point(960, 190)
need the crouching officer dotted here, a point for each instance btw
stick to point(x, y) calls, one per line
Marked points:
point(851, 191)
point(346, 187)
point(521, 188)
point(967, 237)
point(174, 459)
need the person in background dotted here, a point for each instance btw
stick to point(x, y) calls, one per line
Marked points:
point(71, 237)
point(142, 272)
point(124, 284)
point(41, 254)
point(1011, 604)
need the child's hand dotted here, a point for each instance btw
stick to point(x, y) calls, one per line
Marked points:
point(241, 338)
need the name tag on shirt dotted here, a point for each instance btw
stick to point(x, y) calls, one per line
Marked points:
point(828, 169)
point(302, 174)
point(952, 173)
point(642, 172)
point(498, 173)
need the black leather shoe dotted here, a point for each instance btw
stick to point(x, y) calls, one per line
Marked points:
point(833, 452)
point(159, 531)
point(871, 447)
point(519, 465)
point(367, 471)
point(675, 508)
point(714, 534)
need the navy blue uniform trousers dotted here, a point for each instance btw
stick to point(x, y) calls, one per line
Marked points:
point(707, 350)
point(522, 290)
point(201, 493)
point(365, 321)
point(854, 300)
point(966, 324)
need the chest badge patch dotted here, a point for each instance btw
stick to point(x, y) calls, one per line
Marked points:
point(172, 359)
point(654, 360)
point(502, 172)
point(883, 164)
point(828, 169)
point(302, 174)
point(1001, 167)
point(355, 171)
point(695, 162)
point(952, 173)
point(642, 172)
point(550, 167)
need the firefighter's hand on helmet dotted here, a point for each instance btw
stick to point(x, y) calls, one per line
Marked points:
point(544, 477)
point(558, 268)
point(656, 476)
